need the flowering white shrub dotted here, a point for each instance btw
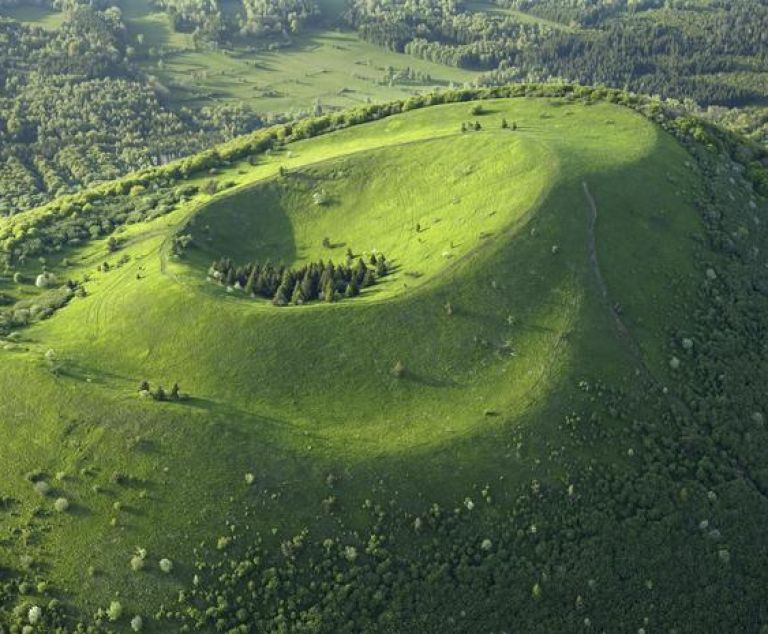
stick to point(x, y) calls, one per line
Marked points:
point(34, 614)
point(61, 504)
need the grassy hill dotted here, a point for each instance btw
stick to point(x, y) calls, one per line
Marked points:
point(544, 277)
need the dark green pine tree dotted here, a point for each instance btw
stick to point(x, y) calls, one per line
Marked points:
point(369, 279)
point(261, 287)
point(353, 290)
point(282, 295)
point(381, 268)
point(230, 279)
point(329, 292)
point(360, 271)
point(297, 297)
point(504, 124)
point(250, 285)
point(308, 287)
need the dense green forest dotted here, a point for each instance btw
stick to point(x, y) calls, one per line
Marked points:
point(651, 47)
point(75, 111)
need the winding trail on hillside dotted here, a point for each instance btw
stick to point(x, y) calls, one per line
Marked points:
point(621, 327)
point(626, 337)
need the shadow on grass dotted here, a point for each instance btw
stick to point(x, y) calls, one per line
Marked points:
point(428, 381)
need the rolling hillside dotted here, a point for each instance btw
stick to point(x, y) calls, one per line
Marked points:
point(542, 411)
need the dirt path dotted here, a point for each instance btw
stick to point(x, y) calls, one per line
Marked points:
point(621, 328)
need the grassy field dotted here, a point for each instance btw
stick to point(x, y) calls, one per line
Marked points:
point(29, 14)
point(334, 68)
point(328, 66)
point(524, 18)
point(292, 394)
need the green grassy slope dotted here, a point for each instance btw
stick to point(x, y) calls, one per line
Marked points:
point(292, 394)
point(334, 68)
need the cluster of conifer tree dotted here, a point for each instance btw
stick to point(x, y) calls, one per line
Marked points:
point(283, 285)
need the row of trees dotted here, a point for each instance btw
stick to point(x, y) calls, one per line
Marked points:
point(261, 18)
point(311, 282)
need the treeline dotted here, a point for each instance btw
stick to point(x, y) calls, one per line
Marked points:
point(260, 18)
point(282, 285)
point(74, 111)
point(688, 50)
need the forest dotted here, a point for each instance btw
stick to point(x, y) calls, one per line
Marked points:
point(314, 281)
point(75, 111)
point(643, 46)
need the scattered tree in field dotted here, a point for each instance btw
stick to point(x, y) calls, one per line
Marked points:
point(398, 370)
point(320, 197)
point(504, 124)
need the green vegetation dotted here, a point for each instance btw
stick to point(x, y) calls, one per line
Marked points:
point(93, 92)
point(703, 50)
point(326, 70)
point(546, 416)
